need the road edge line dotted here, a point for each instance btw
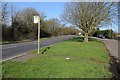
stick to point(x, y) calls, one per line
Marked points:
point(13, 57)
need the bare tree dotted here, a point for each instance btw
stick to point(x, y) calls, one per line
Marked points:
point(0, 12)
point(87, 15)
point(4, 13)
point(13, 12)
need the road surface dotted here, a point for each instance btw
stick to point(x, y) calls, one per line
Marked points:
point(11, 50)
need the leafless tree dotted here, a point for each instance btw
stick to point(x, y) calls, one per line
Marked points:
point(4, 13)
point(87, 15)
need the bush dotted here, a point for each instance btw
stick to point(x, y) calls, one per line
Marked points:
point(106, 33)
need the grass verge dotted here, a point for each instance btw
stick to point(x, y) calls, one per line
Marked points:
point(86, 60)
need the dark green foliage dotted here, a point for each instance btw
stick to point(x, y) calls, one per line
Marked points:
point(106, 33)
point(44, 34)
point(22, 26)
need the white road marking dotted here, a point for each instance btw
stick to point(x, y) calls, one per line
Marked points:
point(9, 47)
point(14, 57)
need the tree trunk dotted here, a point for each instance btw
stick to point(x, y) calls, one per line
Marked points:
point(86, 38)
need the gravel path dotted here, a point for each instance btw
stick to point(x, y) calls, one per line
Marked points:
point(113, 47)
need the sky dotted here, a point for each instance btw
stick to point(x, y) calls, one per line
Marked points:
point(51, 10)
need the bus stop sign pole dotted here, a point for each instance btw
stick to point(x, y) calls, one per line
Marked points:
point(37, 20)
point(38, 35)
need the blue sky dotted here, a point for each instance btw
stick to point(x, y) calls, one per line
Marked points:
point(51, 9)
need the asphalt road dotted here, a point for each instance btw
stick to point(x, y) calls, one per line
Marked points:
point(11, 50)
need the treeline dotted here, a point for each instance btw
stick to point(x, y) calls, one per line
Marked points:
point(18, 25)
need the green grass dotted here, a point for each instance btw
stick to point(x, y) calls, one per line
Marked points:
point(87, 60)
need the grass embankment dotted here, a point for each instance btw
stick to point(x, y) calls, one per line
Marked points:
point(86, 60)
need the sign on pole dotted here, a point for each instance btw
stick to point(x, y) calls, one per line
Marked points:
point(37, 20)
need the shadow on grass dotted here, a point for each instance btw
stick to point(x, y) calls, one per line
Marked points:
point(81, 39)
point(115, 68)
point(45, 50)
point(117, 38)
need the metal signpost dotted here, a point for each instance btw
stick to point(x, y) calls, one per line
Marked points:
point(37, 20)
